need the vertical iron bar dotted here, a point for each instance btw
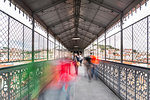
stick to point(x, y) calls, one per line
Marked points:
point(54, 46)
point(23, 43)
point(132, 43)
point(97, 45)
point(20, 82)
point(33, 26)
point(9, 80)
point(115, 45)
point(109, 45)
point(119, 73)
point(39, 52)
point(59, 49)
point(121, 23)
point(8, 36)
point(147, 86)
point(147, 38)
point(43, 47)
point(47, 45)
point(135, 85)
point(126, 82)
point(105, 44)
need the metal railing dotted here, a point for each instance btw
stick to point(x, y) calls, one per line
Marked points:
point(22, 82)
point(129, 82)
point(135, 43)
point(16, 42)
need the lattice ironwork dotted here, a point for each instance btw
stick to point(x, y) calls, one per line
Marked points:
point(27, 53)
point(128, 81)
point(3, 37)
point(21, 82)
point(127, 44)
point(15, 40)
point(140, 41)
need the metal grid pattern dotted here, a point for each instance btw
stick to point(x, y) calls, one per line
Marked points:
point(128, 81)
point(40, 47)
point(21, 82)
point(127, 44)
point(140, 41)
point(101, 49)
point(27, 43)
point(3, 37)
point(51, 51)
point(16, 42)
point(135, 43)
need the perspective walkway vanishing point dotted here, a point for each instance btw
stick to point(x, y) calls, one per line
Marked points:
point(84, 90)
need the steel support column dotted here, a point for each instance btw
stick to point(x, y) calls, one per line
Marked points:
point(147, 38)
point(8, 35)
point(105, 44)
point(97, 45)
point(23, 43)
point(132, 43)
point(54, 47)
point(121, 23)
point(33, 26)
point(47, 45)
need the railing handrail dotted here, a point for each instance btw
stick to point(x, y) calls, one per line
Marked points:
point(128, 65)
point(20, 65)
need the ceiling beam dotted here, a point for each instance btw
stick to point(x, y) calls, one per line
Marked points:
point(86, 30)
point(65, 30)
point(131, 5)
point(79, 33)
point(92, 21)
point(77, 4)
point(49, 6)
point(66, 35)
point(69, 36)
point(109, 7)
point(59, 22)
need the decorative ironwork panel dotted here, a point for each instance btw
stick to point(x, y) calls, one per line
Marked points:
point(21, 82)
point(130, 84)
point(116, 77)
point(15, 40)
point(128, 81)
point(141, 85)
point(123, 81)
point(3, 37)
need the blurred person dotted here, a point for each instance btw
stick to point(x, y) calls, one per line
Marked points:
point(87, 63)
point(80, 59)
point(63, 76)
point(94, 63)
point(77, 62)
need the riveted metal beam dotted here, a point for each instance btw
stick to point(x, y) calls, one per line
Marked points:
point(87, 30)
point(92, 21)
point(109, 7)
point(65, 30)
point(49, 6)
point(59, 22)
